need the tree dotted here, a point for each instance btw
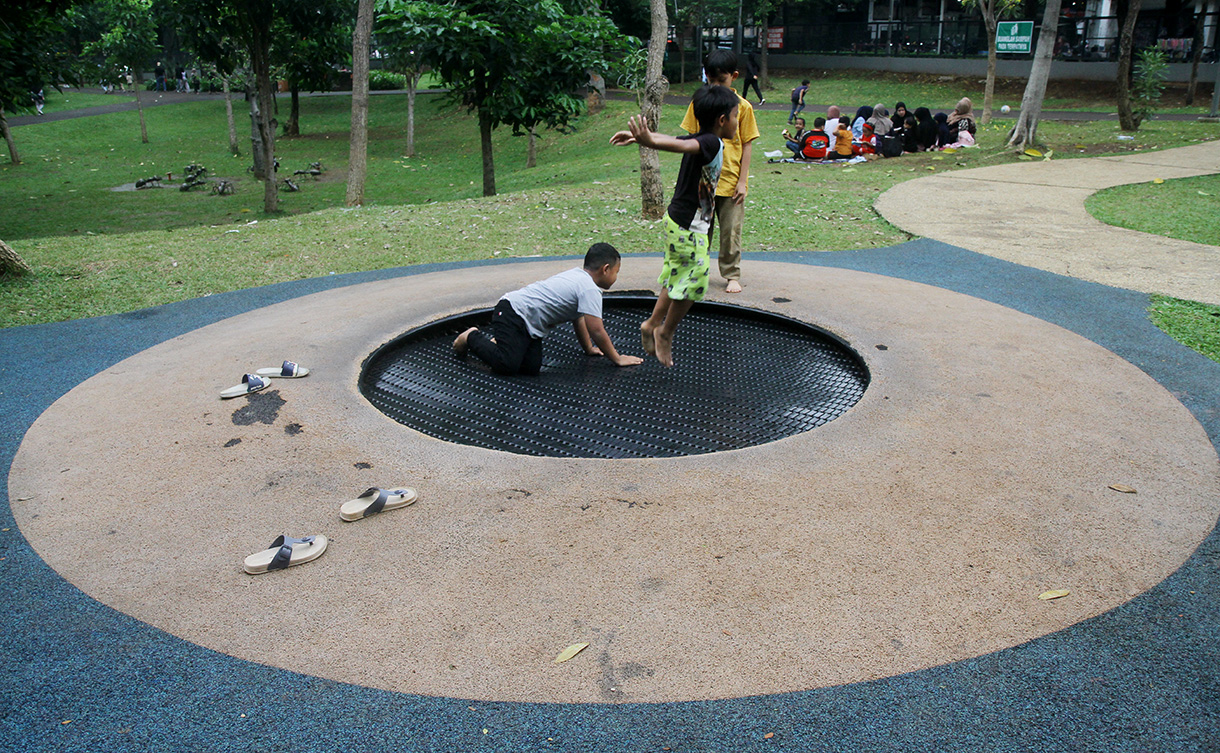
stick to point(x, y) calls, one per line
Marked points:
point(1024, 133)
point(357, 163)
point(515, 64)
point(251, 24)
point(655, 86)
point(129, 39)
point(992, 11)
point(400, 37)
point(307, 57)
point(32, 54)
point(1128, 13)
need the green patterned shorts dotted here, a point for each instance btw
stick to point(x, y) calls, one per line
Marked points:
point(684, 273)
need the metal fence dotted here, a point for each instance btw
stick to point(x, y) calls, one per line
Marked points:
point(1082, 38)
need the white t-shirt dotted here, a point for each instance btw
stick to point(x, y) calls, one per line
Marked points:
point(564, 297)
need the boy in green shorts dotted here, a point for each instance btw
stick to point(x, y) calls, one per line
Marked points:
point(684, 273)
point(721, 68)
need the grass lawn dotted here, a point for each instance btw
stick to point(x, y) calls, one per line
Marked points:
point(1195, 325)
point(1186, 208)
point(99, 251)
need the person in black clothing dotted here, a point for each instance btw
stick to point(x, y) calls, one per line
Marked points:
point(900, 116)
point(910, 140)
point(159, 71)
point(751, 79)
point(925, 129)
point(942, 130)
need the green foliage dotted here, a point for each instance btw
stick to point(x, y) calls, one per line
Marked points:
point(1148, 83)
point(516, 64)
point(129, 36)
point(34, 50)
point(381, 80)
point(306, 48)
point(632, 72)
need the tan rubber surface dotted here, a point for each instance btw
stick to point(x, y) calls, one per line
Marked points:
point(917, 529)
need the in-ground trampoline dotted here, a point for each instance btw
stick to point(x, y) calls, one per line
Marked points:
point(913, 531)
point(773, 375)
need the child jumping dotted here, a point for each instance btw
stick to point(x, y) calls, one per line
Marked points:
point(721, 68)
point(685, 271)
point(523, 317)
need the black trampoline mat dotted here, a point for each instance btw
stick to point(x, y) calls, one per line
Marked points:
point(741, 378)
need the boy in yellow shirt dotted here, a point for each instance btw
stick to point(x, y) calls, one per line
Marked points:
point(721, 69)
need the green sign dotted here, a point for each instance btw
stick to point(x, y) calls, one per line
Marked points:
point(1014, 36)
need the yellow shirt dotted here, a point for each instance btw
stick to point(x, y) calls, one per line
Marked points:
point(747, 131)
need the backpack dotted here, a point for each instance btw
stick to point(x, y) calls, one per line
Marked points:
point(891, 145)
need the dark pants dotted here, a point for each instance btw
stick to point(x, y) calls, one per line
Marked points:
point(751, 81)
point(514, 351)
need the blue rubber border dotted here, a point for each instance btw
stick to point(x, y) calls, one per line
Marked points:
point(1141, 677)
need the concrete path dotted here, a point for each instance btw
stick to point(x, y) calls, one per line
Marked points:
point(1033, 214)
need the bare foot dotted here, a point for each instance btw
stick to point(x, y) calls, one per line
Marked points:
point(733, 287)
point(664, 343)
point(646, 339)
point(460, 344)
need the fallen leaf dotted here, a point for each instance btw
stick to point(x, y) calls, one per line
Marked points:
point(1123, 488)
point(1158, 181)
point(769, 735)
point(569, 652)
point(727, 633)
point(1033, 152)
point(1025, 157)
point(1203, 193)
point(949, 150)
point(1055, 594)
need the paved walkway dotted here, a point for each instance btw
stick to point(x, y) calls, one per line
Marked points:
point(1033, 214)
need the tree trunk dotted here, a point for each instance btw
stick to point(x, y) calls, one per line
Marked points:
point(1126, 41)
point(764, 74)
point(229, 116)
point(531, 153)
point(489, 166)
point(655, 86)
point(1196, 56)
point(8, 138)
point(256, 137)
point(988, 9)
point(10, 262)
point(1025, 133)
point(294, 114)
point(260, 63)
point(140, 109)
point(357, 159)
point(412, 84)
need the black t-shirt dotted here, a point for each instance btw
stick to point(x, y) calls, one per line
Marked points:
point(695, 191)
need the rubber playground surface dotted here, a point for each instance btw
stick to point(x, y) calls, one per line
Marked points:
point(869, 585)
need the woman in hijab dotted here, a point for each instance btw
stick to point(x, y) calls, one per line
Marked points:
point(962, 117)
point(881, 120)
point(900, 115)
point(942, 130)
point(925, 129)
point(862, 116)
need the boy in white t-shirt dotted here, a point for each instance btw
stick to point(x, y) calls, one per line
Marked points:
point(524, 317)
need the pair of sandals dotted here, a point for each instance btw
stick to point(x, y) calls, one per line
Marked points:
point(261, 379)
point(286, 551)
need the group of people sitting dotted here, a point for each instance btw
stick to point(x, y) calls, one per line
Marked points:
point(874, 131)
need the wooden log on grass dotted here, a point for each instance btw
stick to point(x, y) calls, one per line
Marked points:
point(11, 263)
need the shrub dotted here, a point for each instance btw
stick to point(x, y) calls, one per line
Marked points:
point(384, 80)
point(1148, 83)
